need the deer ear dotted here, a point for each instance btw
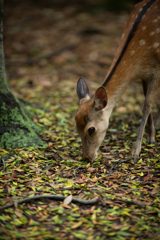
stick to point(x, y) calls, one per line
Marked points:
point(100, 98)
point(82, 89)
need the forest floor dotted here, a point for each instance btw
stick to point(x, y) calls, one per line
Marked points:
point(47, 48)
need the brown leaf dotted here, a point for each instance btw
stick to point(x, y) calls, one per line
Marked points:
point(19, 170)
point(91, 169)
point(50, 144)
point(80, 181)
point(35, 179)
point(18, 213)
point(66, 206)
point(119, 194)
point(111, 217)
point(110, 183)
point(146, 178)
point(67, 175)
point(155, 190)
point(95, 179)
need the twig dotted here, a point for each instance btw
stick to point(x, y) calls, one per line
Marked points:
point(129, 201)
point(54, 197)
point(48, 56)
point(121, 161)
point(4, 164)
point(154, 172)
point(83, 167)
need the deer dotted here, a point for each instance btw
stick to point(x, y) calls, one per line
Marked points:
point(137, 58)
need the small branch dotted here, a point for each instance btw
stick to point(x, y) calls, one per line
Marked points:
point(154, 172)
point(81, 167)
point(48, 56)
point(54, 197)
point(128, 201)
point(121, 161)
point(4, 164)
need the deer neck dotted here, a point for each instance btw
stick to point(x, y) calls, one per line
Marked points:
point(135, 52)
point(121, 78)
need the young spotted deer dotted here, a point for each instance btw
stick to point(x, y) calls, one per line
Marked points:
point(138, 57)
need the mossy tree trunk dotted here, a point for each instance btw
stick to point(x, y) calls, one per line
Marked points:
point(15, 127)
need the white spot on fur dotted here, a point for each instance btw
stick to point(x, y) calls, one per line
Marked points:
point(152, 33)
point(142, 42)
point(156, 44)
point(155, 20)
point(122, 36)
point(132, 52)
point(158, 30)
point(144, 16)
point(144, 28)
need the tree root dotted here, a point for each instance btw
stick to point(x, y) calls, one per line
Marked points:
point(54, 197)
point(128, 201)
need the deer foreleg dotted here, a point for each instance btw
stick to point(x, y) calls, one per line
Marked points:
point(151, 94)
point(150, 122)
point(137, 146)
point(157, 121)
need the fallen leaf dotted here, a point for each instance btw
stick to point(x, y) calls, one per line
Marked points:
point(80, 181)
point(91, 169)
point(50, 144)
point(76, 225)
point(67, 200)
point(66, 206)
point(155, 190)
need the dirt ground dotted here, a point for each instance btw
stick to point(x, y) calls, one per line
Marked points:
point(48, 46)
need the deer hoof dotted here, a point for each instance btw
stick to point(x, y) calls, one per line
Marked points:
point(150, 143)
point(135, 160)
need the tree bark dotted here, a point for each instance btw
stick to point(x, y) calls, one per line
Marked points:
point(16, 129)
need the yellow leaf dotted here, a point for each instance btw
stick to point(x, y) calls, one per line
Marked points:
point(115, 207)
point(75, 209)
point(93, 217)
point(126, 213)
point(76, 225)
point(3, 151)
point(88, 165)
point(67, 185)
point(19, 170)
point(140, 161)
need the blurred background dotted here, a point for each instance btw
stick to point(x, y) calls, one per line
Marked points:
point(49, 44)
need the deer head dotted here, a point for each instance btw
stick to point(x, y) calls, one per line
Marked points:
point(91, 122)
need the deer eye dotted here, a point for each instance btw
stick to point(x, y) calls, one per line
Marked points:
point(91, 130)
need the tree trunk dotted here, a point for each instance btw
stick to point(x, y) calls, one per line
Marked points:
point(15, 127)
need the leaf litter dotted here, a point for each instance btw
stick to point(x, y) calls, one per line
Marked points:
point(127, 194)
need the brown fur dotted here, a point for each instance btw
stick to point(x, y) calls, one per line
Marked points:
point(140, 60)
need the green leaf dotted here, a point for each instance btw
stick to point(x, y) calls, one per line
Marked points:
point(121, 233)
